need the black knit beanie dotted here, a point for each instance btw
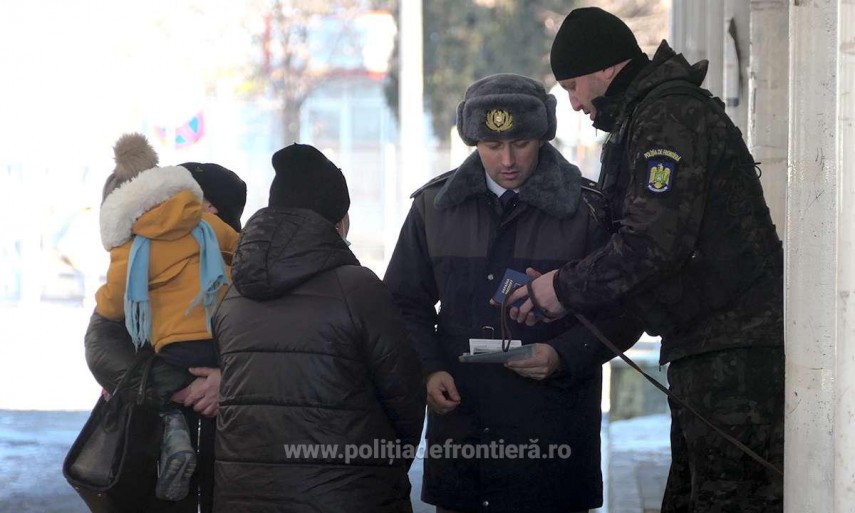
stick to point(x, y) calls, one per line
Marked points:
point(589, 40)
point(223, 188)
point(305, 178)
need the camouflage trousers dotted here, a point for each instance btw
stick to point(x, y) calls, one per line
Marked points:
point(741, 391)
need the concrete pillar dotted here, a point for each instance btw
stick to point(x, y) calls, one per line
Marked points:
point(695, 41)
point(736, 19)
point(768, 101)
point(844, 379)
point(811, 275)
point(677, 38)
point(715, 46)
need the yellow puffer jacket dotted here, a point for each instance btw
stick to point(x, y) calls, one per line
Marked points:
point(164, 205)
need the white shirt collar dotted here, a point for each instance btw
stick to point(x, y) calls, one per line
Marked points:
point(495, 188)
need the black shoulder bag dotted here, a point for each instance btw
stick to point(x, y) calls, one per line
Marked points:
point(113, 462)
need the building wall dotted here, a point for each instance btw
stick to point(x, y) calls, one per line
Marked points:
point(799, 119)
point(349, 120)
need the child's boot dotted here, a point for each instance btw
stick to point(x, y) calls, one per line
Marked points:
point(177, 458)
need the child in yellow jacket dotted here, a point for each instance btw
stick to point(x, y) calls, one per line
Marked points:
point(167, 272)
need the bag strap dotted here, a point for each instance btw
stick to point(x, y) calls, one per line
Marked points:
point(744, 448)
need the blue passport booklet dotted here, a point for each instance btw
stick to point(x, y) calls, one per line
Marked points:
point(510, 281)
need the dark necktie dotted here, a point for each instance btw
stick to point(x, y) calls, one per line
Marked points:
point(508, 199)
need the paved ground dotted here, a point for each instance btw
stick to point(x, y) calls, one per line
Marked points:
point(42, 367)
point(32, 447)
point(638, 461)
point(33, 444)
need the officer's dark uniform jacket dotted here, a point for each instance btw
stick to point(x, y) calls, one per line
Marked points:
point(314, 356)
point(453, 249)
point(694, 251)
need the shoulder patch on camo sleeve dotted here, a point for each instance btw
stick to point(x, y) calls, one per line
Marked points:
point(661, 166)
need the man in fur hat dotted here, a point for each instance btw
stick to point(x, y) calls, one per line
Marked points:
point(514, 203)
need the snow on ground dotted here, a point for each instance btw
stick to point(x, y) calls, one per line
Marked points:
point(42, 362)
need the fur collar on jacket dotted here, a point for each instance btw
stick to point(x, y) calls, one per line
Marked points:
point(132, 199)
point(554, 187)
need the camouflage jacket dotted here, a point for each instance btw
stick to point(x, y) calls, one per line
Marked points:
point(693, 249)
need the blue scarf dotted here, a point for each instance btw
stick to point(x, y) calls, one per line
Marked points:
point(212, 276)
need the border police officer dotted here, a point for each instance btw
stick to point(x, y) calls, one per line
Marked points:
point(693, 253)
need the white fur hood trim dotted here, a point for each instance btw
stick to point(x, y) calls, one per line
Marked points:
point(129, 201)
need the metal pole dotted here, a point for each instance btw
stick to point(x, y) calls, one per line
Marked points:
point(412, 169)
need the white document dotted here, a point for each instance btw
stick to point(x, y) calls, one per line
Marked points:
point(490, 351)
point(489, 345)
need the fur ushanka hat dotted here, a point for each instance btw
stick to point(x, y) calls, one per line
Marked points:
point(506, 107)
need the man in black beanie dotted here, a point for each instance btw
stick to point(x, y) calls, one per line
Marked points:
point(693, 253)
point(515, 203)
point(305, 178)
point(314, 354)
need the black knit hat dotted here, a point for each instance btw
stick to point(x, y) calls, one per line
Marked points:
point(589, 40)
point(305, 178)
point(223, 188)
point(506, 107)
